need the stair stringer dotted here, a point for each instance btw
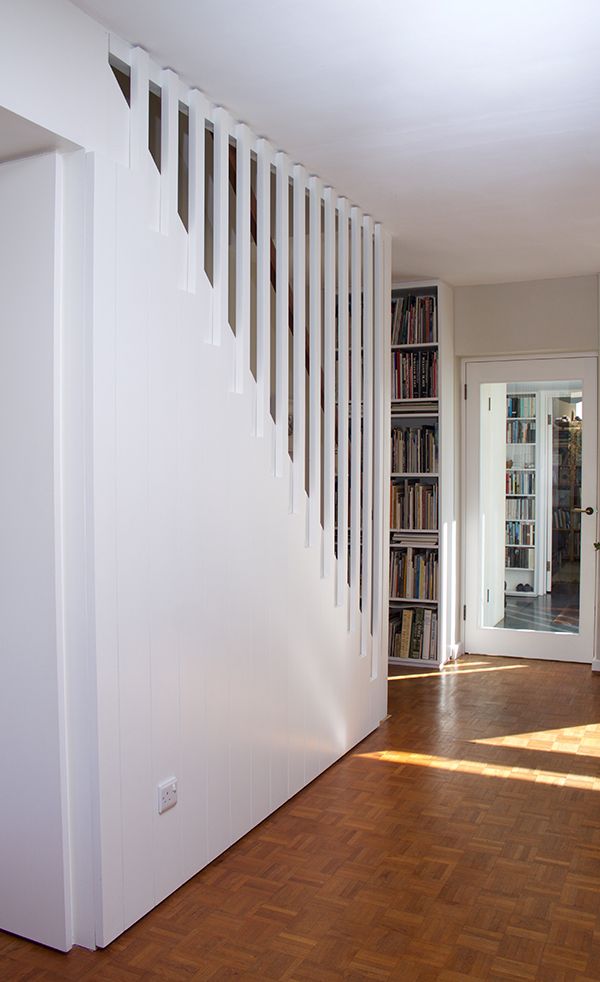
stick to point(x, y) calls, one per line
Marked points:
point(221, 656)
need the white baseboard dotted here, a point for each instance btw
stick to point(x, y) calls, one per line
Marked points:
point(596, 665)
point(456, 650)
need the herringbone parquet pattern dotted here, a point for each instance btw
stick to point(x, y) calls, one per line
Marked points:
point(460, 842)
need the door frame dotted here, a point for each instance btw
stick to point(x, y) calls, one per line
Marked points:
point(462, 396)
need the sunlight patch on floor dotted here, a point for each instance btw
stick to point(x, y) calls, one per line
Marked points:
point(483, 769)
point(583, 740)
point(455, 670)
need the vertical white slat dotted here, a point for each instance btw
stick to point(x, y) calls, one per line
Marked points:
point(329, 381)
point(242, 245)
point(367, 476)
point(355, 410)
point(140, 94)
point(314, 388)
point(380, 451)
point(169, 154)
point(299, 268)
point(264, 154)
point(222, 129)
point(343, 392)
point(282, 307)
point(198, 108)
point(387, 460)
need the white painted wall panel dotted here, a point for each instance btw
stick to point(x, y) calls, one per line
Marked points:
point(54, 71)
point(33, 860)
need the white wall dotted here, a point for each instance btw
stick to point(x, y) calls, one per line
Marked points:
point(54, 71)
point(515, 318)
point(34, 871)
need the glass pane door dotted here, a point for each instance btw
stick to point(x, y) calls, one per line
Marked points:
point(527, 524)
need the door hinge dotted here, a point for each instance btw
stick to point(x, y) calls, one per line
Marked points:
point(549, 419)
point(465, 390)
point(464, 612)
point(547, 565)
point(490, 404)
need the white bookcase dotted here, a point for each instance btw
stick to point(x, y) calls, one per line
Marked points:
point(422, 599)
point(522, 477)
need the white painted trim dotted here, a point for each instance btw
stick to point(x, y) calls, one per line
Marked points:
point(329, 457)
point(242, 246)
point(197, 115)
point(299, 343)
point(343, 417)
point(314, 385)
point(221, 225)
point(282, 316)
point(263, 285)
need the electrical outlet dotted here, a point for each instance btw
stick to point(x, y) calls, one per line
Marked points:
point(167, 795)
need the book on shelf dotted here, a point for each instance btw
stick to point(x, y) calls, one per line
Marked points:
point(518, 431)
point(414, 319)
point(413, 634)
point(414, 449)
point(520, 406)
point(413, 505)
point(414, 374)
point(407, 619)
point(416, 540)
point(413, 574)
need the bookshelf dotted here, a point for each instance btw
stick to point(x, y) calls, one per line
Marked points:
point(521, 494)
point(414, 553)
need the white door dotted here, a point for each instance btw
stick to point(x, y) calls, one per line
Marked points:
point(530, 507)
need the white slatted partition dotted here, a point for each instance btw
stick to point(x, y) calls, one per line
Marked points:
point(367, 475)
point(275, 620)
point(282, 239)
point(329, 381)
point(355, 409)
point(242, 245)
point(198, 108)
point(263, 284)
point(314, 445)
point(343, 409)
point(222, 130)
point(299, 289)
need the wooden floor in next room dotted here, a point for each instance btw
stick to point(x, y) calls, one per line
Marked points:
point(461, 841)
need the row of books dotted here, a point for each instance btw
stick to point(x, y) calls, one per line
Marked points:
point(414, 449)
point(520, 406)
point(414, 634)
point(414, 374)
point(520, 558)
point(520, 534)
point(413, 574)
point(523, 508)
point(563, 519)
point(414, 320)
point(413, 505)
point(520, 482)
point(518, 431)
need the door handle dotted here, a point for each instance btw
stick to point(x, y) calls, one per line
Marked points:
point(585, 511)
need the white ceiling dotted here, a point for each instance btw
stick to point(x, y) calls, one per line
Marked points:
point(21, 138)
point(472, 129)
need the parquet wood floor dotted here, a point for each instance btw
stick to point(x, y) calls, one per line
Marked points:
point(460, 842)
